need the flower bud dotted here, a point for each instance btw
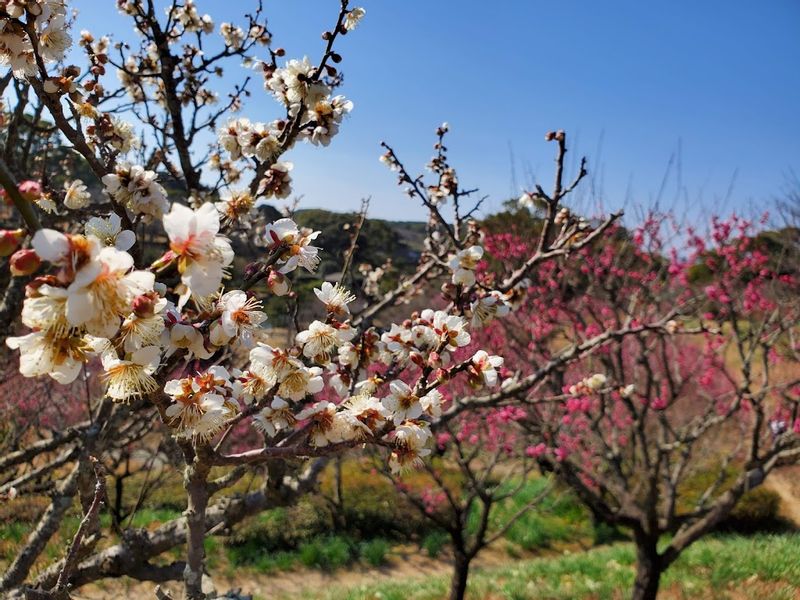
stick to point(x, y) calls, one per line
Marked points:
point(144, 305)
point(30, 190)
point(24, 262)
point(10, 239)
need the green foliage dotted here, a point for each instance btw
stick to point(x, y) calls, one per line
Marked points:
point(328, 553)
point(757, 510)
point(378, 241)
point(434, 542)
point(558, 517)
point(726, 566)
point(374, 552)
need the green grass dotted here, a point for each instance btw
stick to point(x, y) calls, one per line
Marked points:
point(768, 564)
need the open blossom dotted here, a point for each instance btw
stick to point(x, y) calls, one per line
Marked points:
point(488, 307)
point(202, 404)
point(296, 85)
point(432, 403)
point(326, 115)
point(464, 263)
point(145, 325)
point(131, 377)
point(52, 33)
point(235, 207)
point(76, 195)
point(328, 426)
point(402, 403)
point(240, 317)
point(137, 190)
point(102, 283)
point(229, 136)
point(300, 381)
point(182, 336)
point(274, 418)
point(47, 353)
point(260, 141)
point(276, 183)
point(320, 339)
point(109, 231)
point(409, 440)
point(367, 412)
point(485, 366)
point(335, 298)
point(451, 329)
point(233, 35)
point(45, 309)
point(353, 17)
point(296, 242)
point(203, 255)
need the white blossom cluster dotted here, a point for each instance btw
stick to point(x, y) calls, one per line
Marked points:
point(336, 382)
point(48, 19)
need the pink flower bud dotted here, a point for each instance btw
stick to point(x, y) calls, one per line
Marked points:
point(24, 262)
point(144, 305)
point(30, 189)
point(10, 239)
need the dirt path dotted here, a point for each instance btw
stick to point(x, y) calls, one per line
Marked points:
point(404, 563)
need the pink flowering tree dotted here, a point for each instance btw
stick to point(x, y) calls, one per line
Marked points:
point(123, 281)
point(481, 462)
point(664, 430)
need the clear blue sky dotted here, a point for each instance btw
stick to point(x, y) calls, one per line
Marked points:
point(715, 83)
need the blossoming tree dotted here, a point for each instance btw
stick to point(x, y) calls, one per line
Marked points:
point(661, 432)
point(165, 327)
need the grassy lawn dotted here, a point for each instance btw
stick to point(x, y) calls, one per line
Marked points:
point(763, 567)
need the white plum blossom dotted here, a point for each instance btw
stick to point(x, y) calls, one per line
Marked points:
point(367, 412)
point(402, 402)
point(110, 233)
point(320, 339)
point(488, 307)
point(410, 440)
point(300, 381)
point(76, 195)
point(276, 183)
point(464, 263)
point(203, 255)
point(131, 377)
point(234, 36)
point(486, 366)
point(451, 329)
point(327, 425)
point(137, 190)
point(296, 243)
point(327, 115)
point(240, 317)
point(335, 298)
point(103, 284)
point(274, 418)
point(45, 353)
point(235, 206)
point(295, 85)
point(353, 17)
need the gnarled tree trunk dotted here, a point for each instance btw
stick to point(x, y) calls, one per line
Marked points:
point(649, 567)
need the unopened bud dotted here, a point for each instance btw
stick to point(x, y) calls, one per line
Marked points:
point(10, 239)
point(144, 305)
point(30, 190)
point(24, 262)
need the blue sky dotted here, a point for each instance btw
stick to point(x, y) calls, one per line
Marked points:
point(715, 85)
